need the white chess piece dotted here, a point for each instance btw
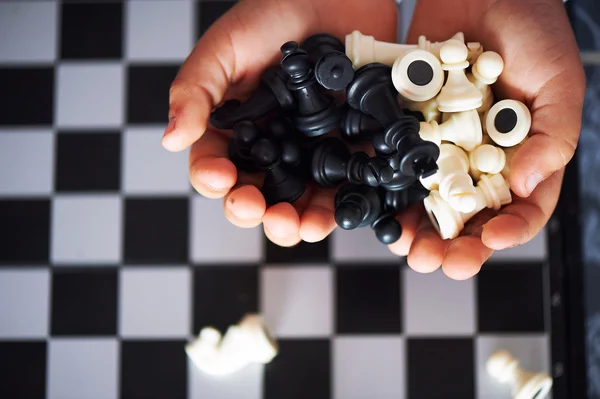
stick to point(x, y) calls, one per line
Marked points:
point(417, 75)
point(245, 343)
point(475, 50)
point(462, 128)
point(492, 192)
point(459, 93)
point(509, 153)
point(363, 49)
point(484, 73)
point(508, 122)
point(502, 366)
point(487, 159)
point(429, 108)
point(452, 179)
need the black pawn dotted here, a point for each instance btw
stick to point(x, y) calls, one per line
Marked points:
point(270, 94)
point(397, 201)
point(326, 53)
point(280, 183)
point(356, 126)
point(387, 229)
point(245, 134)
point(356, 206)
point(372, 92)
point(316, 112)
point(332, 164)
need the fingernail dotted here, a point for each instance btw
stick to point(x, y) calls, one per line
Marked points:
point(170, 127)
point(532, 181)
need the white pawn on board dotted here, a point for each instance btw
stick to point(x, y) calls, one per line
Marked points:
point(493, 191)
point(486, 159)
point(459, 93)
point(503, 367)
point(461, 128)
point(485, 72)
point(508, 122)
point(243, 344)
point(452, 179)
point(363, 49)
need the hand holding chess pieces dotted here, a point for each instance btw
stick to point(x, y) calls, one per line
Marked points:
point(243, 344)
point(503, 367)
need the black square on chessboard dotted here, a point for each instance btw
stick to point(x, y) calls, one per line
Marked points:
point(156, 230)
point(368, 299)
point(303, 252)
point(91, 30)
point(153, 369)
point(209, 11)
point(148, 93)
point(511, 297)
point(23, 369)
point(301, 370)
point(223, 295)
point(24, 231)
point(440, 368)
point(89, 161)
point(27, 96)
point(84, 301)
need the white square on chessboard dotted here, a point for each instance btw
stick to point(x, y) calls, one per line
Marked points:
point(359, 245)
point(90, 95)
point(297, 301)
point(435, 305)
point(28, 31)
point(148, 168)
point(215, 239)
point(155, 302)
point(536, 249)
point(531, 351)
point(26, 162)
point(24, 303)
point(247, 383)
point(86, 229)
point(159, 30)
point(369, 367)
point(83, 368)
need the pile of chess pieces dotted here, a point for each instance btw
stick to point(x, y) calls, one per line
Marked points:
point(385, 124)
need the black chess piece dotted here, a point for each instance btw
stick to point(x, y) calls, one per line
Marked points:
point(332, 164)
point(356, 206)
point(316, 112)
point(245, 134)
point(387, 229)
point(356, 126)
point(372, 92)
point(270, 94)
point(332, 67)
point(281, 183)
point(399, 200)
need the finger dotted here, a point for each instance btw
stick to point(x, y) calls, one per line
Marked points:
point(245, 206)
point(552, 86)
point(465, 255)
point(212, 174)
point(523, 219)
point(409, 220)
point(281, 224)
point(317, 220)
point(236, 48)
point(427, 250)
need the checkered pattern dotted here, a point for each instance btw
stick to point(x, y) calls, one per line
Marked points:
point(110, 262)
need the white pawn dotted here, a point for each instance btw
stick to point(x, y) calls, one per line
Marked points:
point(492, 192)
point(417, 75)
point(486, 159)
point(508, 122)
point(429, 108)
point(243, 344)
point(502, 366)
point(475, 50)
point(461, 128)
point(452, 179)
point(459, 93)
point(484, 73)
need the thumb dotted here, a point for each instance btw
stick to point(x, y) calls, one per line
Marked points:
point(235, 49)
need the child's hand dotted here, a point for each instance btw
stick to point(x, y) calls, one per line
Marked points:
point(542, 69)
point(226, 63)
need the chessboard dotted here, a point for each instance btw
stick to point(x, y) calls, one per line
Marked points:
point(110, 262)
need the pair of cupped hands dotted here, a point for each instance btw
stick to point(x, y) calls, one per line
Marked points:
point(542, 69)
